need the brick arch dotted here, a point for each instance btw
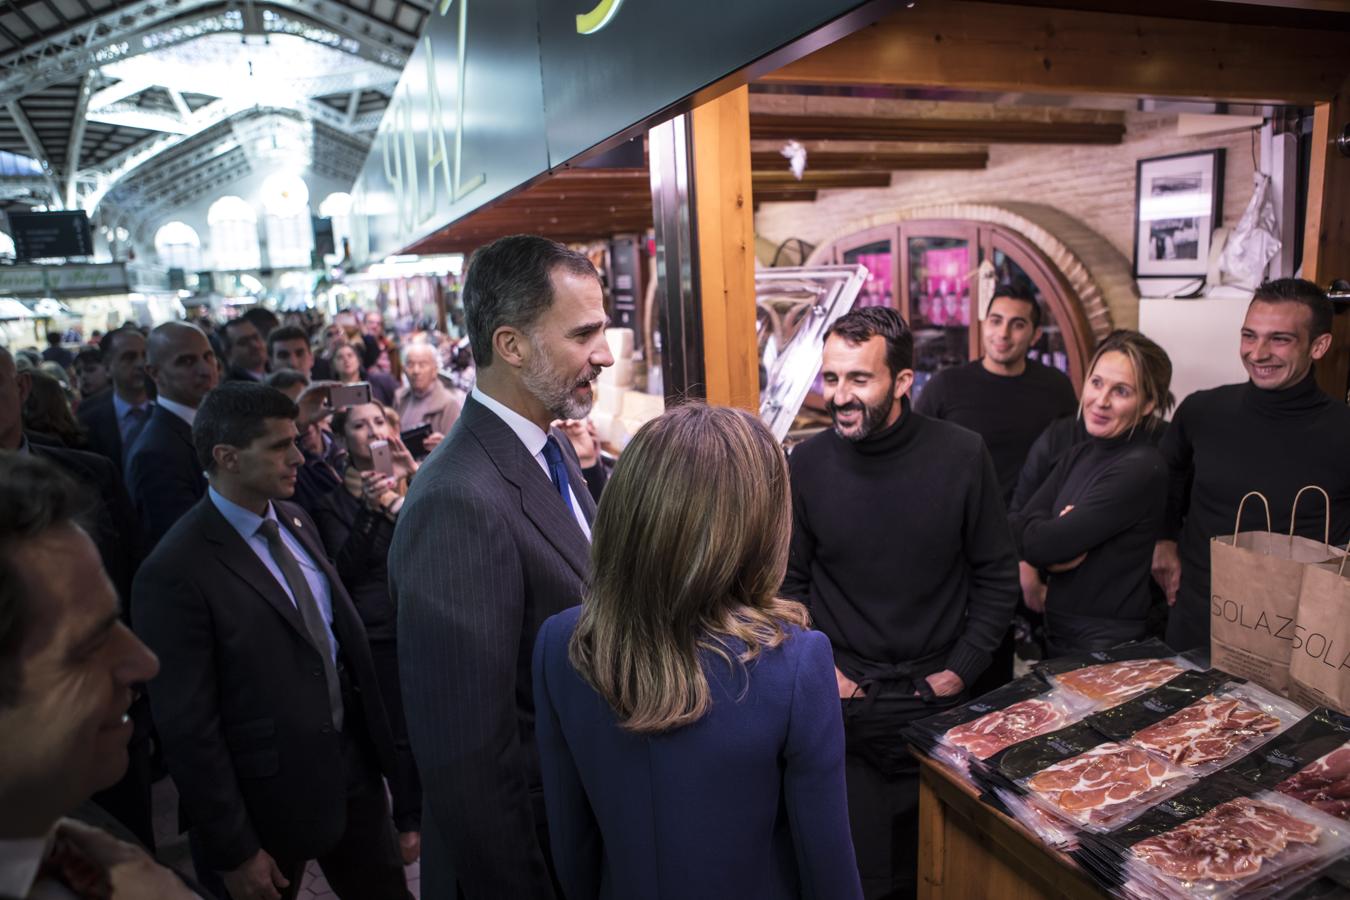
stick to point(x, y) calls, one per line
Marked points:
point(1098, 276)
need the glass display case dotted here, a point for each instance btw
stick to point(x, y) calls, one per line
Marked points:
point(927, 269)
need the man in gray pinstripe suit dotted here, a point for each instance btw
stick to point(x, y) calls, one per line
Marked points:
point(493, 539)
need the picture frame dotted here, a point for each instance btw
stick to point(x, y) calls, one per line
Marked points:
point(1178, 202)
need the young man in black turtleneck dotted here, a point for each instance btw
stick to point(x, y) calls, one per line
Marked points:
point(1009, 401)
point(901, 550)
point(1273, 434)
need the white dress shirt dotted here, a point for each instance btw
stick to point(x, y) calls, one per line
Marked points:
point(187, 413)
point(534, 438)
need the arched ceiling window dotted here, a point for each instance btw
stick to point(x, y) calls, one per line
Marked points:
point(179, 246)
point(234, 234)
point(290, 234)
point(338, 207)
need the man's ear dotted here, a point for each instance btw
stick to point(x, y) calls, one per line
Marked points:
point(903, 382)
point(226, 457)
point(1320, 345)
point(510, 345)
point(24, 381)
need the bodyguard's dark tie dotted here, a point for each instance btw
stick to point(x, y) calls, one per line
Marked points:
point(138, 415)
point(557, 470)
point(309, 612)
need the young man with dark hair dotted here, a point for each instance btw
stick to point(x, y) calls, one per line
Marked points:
point(115, 419)
point(493, 539)
point(267, 705)
point(902, 552)
point(1274, 434)
point(1009, 401)
point(69, 670)
point(91, 374)
point(55, 352)
point(245, 352)
point(288, 348)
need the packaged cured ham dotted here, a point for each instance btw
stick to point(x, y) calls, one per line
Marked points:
point(1021, 709)
point(1200, 721)
point(1219, 841)
point(1051, 830)
point(1076, 775)
point(1309, 762)
point(1110, 677)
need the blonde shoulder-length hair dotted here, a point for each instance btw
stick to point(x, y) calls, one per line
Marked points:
point(688, 551)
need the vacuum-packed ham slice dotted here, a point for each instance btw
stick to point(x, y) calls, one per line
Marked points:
point(1230, 842)
point(1323, 783)
point(994, 731)
point(1117, 682)
point(1089, 787)
point(1206, 731)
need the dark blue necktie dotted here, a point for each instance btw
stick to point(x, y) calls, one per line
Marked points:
point(558, 471)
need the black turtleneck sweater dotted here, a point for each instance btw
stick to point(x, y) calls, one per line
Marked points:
point(1118, 491)
point(901, 547)
point(1238, 438)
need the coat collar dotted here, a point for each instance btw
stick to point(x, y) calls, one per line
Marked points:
point(539, 501)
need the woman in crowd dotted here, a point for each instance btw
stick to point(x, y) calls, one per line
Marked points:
point(1093, 522)
point(688, 723)
point(356, 522)
point(347, 369)
point(47, 412)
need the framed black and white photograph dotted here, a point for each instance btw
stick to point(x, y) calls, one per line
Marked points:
point(1178, 203)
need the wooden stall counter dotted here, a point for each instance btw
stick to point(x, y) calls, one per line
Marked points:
point(970, 851)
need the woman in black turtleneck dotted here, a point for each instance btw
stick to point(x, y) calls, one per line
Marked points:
point(1092, 525)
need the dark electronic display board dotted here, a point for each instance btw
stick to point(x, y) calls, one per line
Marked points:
point(48, 235)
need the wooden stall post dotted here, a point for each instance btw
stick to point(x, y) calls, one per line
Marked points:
point(1326, 235)
point(726, 248)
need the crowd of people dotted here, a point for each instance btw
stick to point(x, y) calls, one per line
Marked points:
point(431, 623)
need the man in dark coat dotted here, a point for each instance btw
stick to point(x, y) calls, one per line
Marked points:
point(267, 702)
point(492, 540)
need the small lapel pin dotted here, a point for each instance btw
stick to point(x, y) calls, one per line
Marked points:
point(297, 522)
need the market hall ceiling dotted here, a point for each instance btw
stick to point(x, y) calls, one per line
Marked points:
point(116, 95)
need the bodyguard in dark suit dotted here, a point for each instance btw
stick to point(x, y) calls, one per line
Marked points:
point(115, 418)
point(267, 702)
point(163, 474)
point(492, 540)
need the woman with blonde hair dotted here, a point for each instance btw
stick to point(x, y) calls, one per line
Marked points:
point(688, 723)
point(1092, 524)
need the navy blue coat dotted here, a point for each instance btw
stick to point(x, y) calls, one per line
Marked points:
point(747, 802)
point(163, 475)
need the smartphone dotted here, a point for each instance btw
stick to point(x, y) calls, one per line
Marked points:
point(382, 457)
point(341, 396)
point(415, 440)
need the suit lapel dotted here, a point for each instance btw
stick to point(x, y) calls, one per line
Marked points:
point(539, 501)
point(239, 558)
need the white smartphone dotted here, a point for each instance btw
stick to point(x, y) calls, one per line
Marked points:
point(341, 396)
point(382, 457)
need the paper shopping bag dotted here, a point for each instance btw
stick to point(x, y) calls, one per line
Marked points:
point(1319, 669)
point(1256, 580)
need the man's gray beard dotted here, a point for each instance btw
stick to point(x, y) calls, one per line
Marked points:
point(554, 391)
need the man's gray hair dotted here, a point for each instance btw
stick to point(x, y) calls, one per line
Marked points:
point(510, 283)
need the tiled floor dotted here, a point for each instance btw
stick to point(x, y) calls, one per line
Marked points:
point(173, 848)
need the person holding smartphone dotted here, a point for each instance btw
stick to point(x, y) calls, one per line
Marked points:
point(356, 523)
point(347, 369)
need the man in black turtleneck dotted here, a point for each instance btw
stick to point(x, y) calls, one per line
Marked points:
point(1273, 434)
point(901, 550)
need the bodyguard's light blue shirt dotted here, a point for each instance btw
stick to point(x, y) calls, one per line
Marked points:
point(247, 524)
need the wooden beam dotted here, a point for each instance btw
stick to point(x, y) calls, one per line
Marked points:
point(726, 248)
point(785, 197)
point(765, 126)
point(786, 181)
point(1326, 236)
point(968, 45)
point(881, 161)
